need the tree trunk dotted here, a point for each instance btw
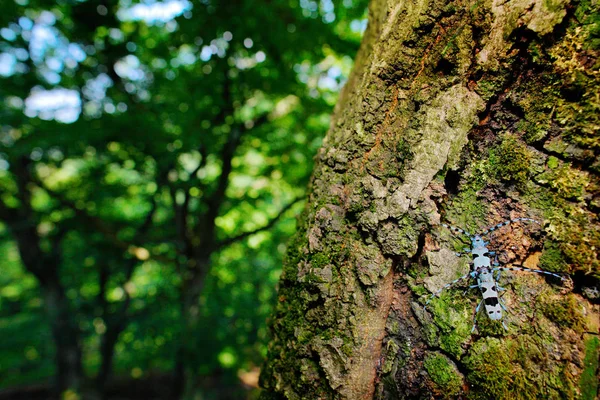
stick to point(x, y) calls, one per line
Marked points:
point(108, 342)
point(191, 289)
point(467, 114)
point(65, 335)
point(115, 321)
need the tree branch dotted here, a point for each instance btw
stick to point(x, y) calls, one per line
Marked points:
point(269, 225)
point(143, 229)
point(100, 225)
point(216, 198)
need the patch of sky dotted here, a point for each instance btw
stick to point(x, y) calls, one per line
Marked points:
point(171, 26)
point(309, 8)
point(129, 67)
point(116, 35)
point(358, 25)
point(206, 53)
point(327, 82)
point(187, 55)
point(76, 51)
point(94, 92)
point(25, 23)
point(328, 11)
point(8, 63)
point(216, 47)
point(242, 61)
point(95, 88)
point(49, 50)
point(42, 38)
point(334, 72)
point(219, 46)
point(60, 104)
point(326, 75)
point(302, 70)
point(153, 12)
point(8, 34)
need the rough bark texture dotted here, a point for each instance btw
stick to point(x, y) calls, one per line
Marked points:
point(468, 113)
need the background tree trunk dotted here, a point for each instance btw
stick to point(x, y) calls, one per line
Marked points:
point(467, 113)
point(43, 260)
point(69, 373)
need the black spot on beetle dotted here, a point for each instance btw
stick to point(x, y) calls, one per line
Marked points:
point(491, 301)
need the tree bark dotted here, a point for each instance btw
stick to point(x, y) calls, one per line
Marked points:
point(469, 114)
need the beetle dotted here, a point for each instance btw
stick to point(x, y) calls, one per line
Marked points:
point(486, 272)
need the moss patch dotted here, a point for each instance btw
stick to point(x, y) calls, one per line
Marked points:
point(444, 373)
point(566, 312)
point(572, 231)
point(452, 315)
point(510, 162)
point(518, 369)
point(466, 209)
point(568, 182)
point(552, 258)
point(589, 378)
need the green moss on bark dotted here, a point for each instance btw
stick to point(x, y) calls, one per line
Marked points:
point(510, 369)
point(510, 161)
point(452, 315)
point(589, 378)
point(553, 259)
point(444, 374)
point(566, 312)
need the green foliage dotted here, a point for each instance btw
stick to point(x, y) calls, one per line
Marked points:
point(26, 346)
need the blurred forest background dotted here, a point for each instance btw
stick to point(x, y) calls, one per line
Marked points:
point(153, 156)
